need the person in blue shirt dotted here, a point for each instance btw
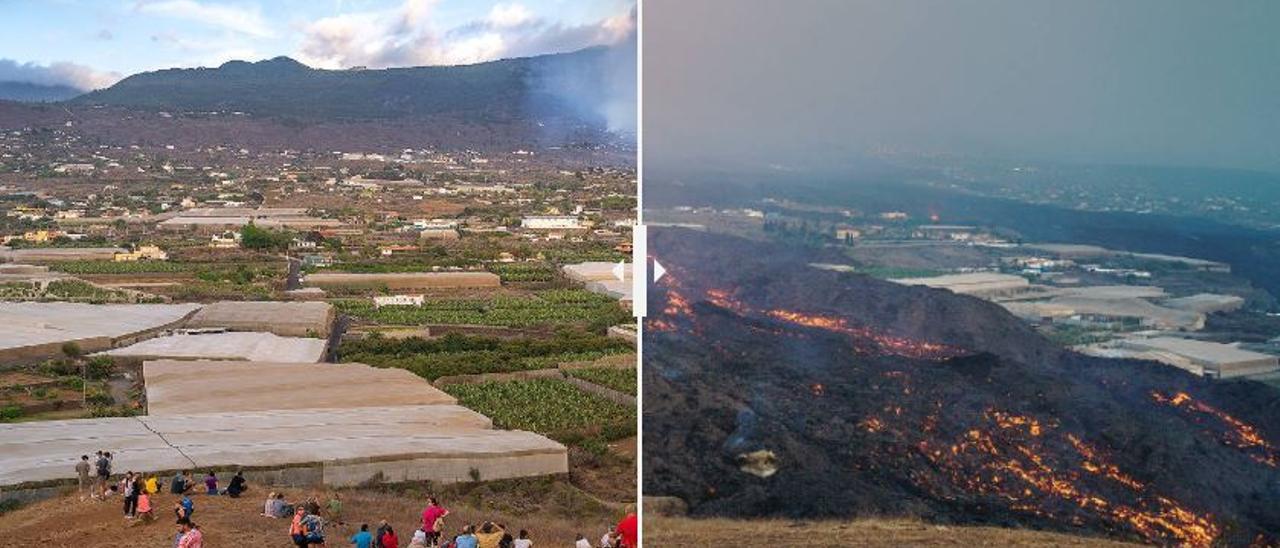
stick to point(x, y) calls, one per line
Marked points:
point(184, 508)
point(467, 539)
point(363, 539)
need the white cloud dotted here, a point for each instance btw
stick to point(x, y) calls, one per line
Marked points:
point(509, 15)
point(57, 74)
point(244, 19)
point(476, 49)
point(550, 38)
point(407, 36)
point(203, 51)
point(376, 39)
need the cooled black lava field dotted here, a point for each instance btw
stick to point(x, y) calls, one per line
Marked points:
point(776, 389)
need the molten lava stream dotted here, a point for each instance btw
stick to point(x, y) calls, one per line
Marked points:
point(883, 343)
point(1019, 460)
point(1236, 433)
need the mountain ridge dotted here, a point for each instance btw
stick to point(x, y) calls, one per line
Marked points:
point(27, 92)
point(553, 86)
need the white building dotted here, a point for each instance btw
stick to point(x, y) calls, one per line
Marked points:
point(225, 240)
point(142, 253)
point(552, 222)
point(74, 168)
point(435, 224)
point(1217, 360)
point(397, 300)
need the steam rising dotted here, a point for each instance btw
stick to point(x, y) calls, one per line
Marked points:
point(598, 87)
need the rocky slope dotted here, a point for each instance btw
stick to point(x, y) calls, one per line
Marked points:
point(819, 393)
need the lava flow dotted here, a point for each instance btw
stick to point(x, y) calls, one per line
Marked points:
point(676, 307)
point(866, 340)
point(1020, 460)
point(883, 399)
point(882, 343)
point(1235, 433)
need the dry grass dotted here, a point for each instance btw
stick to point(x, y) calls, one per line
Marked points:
point(668, 531)
point(552, 512)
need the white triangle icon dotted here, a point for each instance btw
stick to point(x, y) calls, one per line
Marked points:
point(658, 271)
point(620, 271)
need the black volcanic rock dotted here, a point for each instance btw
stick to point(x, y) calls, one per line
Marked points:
point(874, 398)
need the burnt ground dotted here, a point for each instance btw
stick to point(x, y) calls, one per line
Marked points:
point(874, 399)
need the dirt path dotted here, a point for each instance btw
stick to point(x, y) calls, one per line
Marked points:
point(68, 521)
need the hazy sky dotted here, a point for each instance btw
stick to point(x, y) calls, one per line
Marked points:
point(92, 43)
point(803, 82)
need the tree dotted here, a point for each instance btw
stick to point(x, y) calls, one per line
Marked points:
point(253, 237)
point(100, 367)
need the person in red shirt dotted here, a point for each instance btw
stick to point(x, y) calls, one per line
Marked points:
point(296, 532)
point(389, 539)
point(431, 521)
point(627, 531)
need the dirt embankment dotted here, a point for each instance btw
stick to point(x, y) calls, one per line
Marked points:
point(845, 534)
point(552, 512)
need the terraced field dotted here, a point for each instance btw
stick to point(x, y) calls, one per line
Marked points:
point(544, 308)
point(550, 407)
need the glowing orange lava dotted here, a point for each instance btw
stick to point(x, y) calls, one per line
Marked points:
point(870, 340)
point(677, 305)
point(659, 324)
point(722, 299)
point(885, 344)
point(872, 424)
point(1019, 460)
point(1236, 433)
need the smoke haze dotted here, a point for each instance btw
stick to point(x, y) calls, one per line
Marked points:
point(812, 83)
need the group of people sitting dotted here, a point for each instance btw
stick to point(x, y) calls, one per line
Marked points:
point(137, 491)
point(182, 483)
point(486, 535)
point(307, 526)
point(307, 529)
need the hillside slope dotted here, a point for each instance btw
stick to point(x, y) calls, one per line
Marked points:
point(35, 93)
point(552, 86)
point(553, 512)
point(828, 394)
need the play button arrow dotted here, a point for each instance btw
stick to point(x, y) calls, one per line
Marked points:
point(658, 271)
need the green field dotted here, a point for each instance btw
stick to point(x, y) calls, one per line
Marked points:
point(204, 270)
point(523, 272)
point(894, 273)
point(545, 308)
point(456, 354)
point(63, 290)
point(123, 267)
point(550, 407)
point(622, 380)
